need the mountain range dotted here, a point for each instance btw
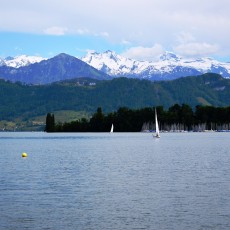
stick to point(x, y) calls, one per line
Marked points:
point(45, 71)
point(168, 66)
point(104, 66)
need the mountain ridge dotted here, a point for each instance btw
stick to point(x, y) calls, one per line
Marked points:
point(20, 61)
point(106, 65)
point(57, 68)
point(27, 101)
point(168, 66)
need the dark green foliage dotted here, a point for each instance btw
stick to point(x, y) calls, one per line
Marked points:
point(18, 100)
point(213, 116)
point(50, 123)
point(97, 121)
point(127, 120)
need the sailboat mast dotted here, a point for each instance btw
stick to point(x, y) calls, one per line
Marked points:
point(111, 131)
point(157, 126)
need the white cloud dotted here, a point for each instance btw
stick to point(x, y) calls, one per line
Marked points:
point(142, 23)
point(55, 30)
point(18, 48)
point(125, 42)
point(185, 37)
point(104, 34)
point(189, 46)
point(90, 51)
point(195, 49)
point(82, 31)
point(101, 34)
point(144, 53)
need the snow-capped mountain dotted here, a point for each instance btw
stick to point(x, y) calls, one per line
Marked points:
point(2, 62)
point(19, 61)
point(59, 68)
point(107, 65)
point(168, 66)
point(113, 64)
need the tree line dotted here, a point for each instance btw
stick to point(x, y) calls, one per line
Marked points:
point(177, 117)
point(23, 102)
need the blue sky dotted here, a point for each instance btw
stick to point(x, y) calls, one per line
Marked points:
point(16, 43)
point(140, 29)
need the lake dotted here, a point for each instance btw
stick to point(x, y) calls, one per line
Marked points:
point(103, 181)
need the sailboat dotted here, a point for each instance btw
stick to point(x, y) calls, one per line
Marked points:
point(157, 126)
point(111, 131)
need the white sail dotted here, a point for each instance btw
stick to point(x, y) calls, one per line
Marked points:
point(157, 126)
point(111, 131)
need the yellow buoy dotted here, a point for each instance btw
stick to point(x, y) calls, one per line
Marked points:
point(24, 154)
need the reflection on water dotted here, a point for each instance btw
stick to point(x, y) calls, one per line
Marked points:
point(115, 181)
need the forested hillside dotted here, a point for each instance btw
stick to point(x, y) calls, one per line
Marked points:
point(176, 118)
point(24, 102)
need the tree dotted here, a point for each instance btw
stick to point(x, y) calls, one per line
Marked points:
point(97, 121)
point(50, 123)
point(187, 116)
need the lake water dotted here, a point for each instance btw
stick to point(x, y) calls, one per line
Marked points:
point(103, 181)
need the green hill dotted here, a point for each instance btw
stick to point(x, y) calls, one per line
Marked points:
point(23, 103)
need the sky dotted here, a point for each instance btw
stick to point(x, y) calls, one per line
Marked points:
point(139, 29)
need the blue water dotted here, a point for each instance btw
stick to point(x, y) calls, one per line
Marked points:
point(115, 181)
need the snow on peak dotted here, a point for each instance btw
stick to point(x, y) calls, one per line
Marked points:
point(110, 62)
point(168, 63)
point(22, 60)
point(9, 58)
point(2, 62)
point(167, 56)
